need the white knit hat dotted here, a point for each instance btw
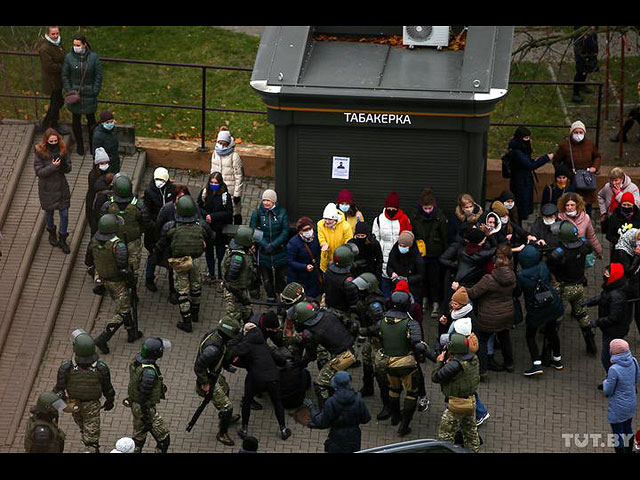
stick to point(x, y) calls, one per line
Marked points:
point(577, 124)
point(125, 445)
point(463, 326)
point(161, 173)
point(224, 136)
point(270, 195)
point(330, 211)
point(100, 156)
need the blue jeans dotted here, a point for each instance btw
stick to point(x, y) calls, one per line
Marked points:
point(490, 348)
point(481, 410)
point(64, 220)
point(622, 428)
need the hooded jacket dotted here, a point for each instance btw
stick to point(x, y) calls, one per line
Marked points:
point(432, 229)
point(230, 166)
point(468, 266)
point(369, 258)
point(459, 221)
point(620, 387)
point(340, 234)
point(614, 315)
point(387, 232)
point(605, 195)
point(493, 295)
point(585, 229)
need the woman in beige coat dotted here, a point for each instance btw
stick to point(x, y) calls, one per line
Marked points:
point(227, 161)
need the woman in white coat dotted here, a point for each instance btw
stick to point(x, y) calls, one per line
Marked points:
point(227, 161)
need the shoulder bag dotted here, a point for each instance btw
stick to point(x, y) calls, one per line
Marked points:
point(583, 179)
point(72, 97)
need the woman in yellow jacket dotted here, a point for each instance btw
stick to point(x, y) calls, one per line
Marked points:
point(333, 231)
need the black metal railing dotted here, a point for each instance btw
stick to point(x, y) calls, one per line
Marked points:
point(203, 104)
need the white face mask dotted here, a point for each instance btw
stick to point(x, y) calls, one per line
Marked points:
point(160, 183)
point(578, 138)
point(549, 221)
point(308, 234)
point(572, 214)
point(504, 220)
point(103, 166)
point(78, 49)
point(509, 205)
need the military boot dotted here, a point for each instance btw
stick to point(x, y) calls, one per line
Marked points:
point(384, 396)
point(91, 448)
point(589, 340)
point(53, 237)
point(195, 311)
point(62, 243)
point(223, 429)
point(139, 446)
point(102, 339)
point(367, 381)
point(394, 407)
point(407, 415)
point(185, 324)
point(133, 333)
point(163, 445)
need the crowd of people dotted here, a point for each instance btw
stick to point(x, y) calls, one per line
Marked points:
point(341, 287)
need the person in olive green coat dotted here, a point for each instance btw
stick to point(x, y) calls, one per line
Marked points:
point(82, 72)
point(51, 60)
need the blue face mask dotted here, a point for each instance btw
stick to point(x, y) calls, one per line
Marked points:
point(344, 208)
point(403, 250)
point(108, 126)
point(214, 188)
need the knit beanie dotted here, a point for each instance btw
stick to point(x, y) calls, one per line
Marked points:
point(270, 195)
point(224, 136)
point(460, 296)
point(506, 195)
point(392, 201)
point(474, 235)
point(618, 346)
point(330, 211)
point(345, 197)
point(106, 116)
point(406, 237)
point(616, 272)
point(561, 171)
point(462, 326)
point(522, 132)
point(341, 379)
point(100, 156)
point(161, 173)
point(303, 222)
point(363, 228)
point(628, 197)
point(499, 208)
point(577, 124)
point(427, 197)
point(402, 286)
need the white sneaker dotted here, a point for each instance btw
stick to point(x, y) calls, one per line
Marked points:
point(483, 419)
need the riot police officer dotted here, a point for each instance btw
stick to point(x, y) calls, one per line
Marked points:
point(211, 359)
point(370, 310)
point(84, 380)
point(240, 275)
point(42, 434)
point(186, 238)
point(341, 295)
point(292, 294)
point(567, 263)
point(146, 389)
point(321, 327)
point(111, 259)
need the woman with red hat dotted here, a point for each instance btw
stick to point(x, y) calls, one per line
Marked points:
point(348, 209)
point(625, 216)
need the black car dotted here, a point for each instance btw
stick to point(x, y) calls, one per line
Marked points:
point(424, 445)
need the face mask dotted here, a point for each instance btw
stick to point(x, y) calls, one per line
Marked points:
point(214, 188)
point(307, 234)
point(468, 211)
point(572, 214)
point(78, 49)
point(55, 42)
point(52, 146)
point(403, 250)
point(391, 212)
point(509, 205)
point(504, 220)
point(344, 207)
point(105, 166)
point(561, 184)
point(578, 138)
point(109, 126)
point(627, 210)
point(549, 221)
point(160, 183)
point(427, 210)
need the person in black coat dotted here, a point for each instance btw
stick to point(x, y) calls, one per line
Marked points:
point(405, 261)
point(522, 168)
point(216, 208)
point(624, 217)
point(159, 192)
point(369, 258)
point(541, 229)
point(303, 258)
point(614, 316)
point(295, 379)
point(343, 413)
point(251, 352)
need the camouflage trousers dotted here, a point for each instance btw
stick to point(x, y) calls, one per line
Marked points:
point(159, 429)
point(189, 287)
point(135, 254)
point(235, 309)
point(341, 361)
point(450, 423)
point(372, 355)
point(87, 417)
point(121, 295)
point(220, 397)
point(574, 295)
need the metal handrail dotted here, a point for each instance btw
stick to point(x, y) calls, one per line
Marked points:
point(203, 108)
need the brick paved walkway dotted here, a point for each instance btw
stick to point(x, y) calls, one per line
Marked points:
point(527, 414)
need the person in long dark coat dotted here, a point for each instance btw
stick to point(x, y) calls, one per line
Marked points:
point(522, 168)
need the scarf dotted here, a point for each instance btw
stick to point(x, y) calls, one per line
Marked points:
point(401, 217)
point(223, 152)
point(627, 242)
point(56, 43)
point(461, 312)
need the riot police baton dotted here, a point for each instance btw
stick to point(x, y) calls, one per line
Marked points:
point(207, 398)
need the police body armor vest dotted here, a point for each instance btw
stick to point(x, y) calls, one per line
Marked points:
point(104, 259)
point(187, 240)
point(54, 445)
point(465, 383)
point(245, 279)
point(332, 334)
point(395, 342)
point(131, 230)
point(335, 295)
point(84, 384)
point(135, 377)
point(214, 339)
point(373, 310)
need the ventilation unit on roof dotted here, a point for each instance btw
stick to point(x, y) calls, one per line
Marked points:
point(425, 36)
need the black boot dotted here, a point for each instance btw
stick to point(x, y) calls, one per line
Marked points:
point(53, 237)
point(102, 339)
point(163, 445)
point(185, 324)
point(394, 407)
point(625, 129)
point(139, 446)
point(225, 422)
point(367, 381)
point(384, 396)
point(133, 334)
point(62, 242)
point(407, 415)
point(589, 340)
point(195, 310)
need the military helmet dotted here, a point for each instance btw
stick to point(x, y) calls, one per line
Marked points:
point(367, 281)
point(304, 311)
point(186, 209)
point(244, 236)
point(567, 232)
point(84, 347)
point(228, 326)
point(458, 344)
point(122, 188)
point(153, 348)
point(108, 226)
point(401, 301)
point(343, 256)
point(292, 293)
point(48, 402)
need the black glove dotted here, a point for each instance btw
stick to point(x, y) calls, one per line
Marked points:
point(230, 368)
point(236, 200)
point(108, 405)
point(420, 350)
point(354, 327)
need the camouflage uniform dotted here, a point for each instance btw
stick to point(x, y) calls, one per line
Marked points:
point(450, 423)
point(236, 297)
point(574, 295)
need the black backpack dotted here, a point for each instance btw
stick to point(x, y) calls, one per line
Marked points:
point(506, 165)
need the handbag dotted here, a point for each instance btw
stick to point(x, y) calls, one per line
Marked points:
point(73, 96)
point(583, 179)
point(461, 406)
point(542, 296)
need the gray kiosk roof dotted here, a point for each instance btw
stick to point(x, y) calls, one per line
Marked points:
point(290, 63)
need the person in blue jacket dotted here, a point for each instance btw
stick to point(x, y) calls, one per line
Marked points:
point(522, 168)
point(620, 389)
point(303, 258)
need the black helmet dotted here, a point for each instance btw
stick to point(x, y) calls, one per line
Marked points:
point(122, 188)
point(400, 301)
point(343, 256)
point(108, 226)
point(153, 348)
point(458, 344)
point(186, 210)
